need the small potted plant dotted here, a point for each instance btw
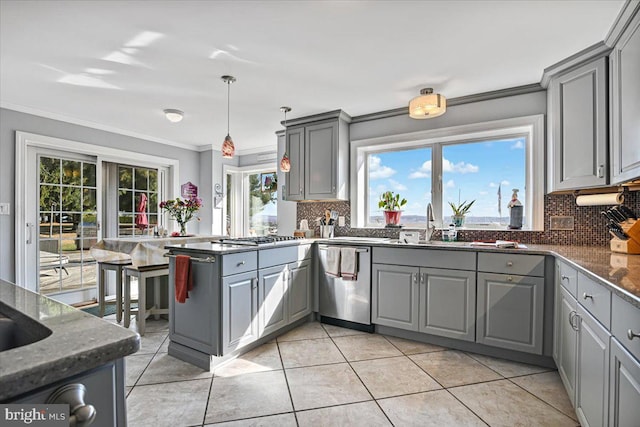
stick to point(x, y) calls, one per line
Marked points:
point(391, 204)
point(459, 211)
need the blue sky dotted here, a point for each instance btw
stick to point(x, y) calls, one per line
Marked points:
point(472, 171)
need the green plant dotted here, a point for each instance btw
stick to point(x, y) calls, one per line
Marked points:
point(462, 208)
point(390, 202)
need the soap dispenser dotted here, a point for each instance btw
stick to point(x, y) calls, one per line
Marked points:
point(516, 211)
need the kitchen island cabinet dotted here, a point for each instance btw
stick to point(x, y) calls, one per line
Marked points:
point(241, 296)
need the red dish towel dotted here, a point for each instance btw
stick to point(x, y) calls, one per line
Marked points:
point(183, 280)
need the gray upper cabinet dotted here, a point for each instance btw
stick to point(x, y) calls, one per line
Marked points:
point(578, 140)
point(394, 296)
point(625, 103)
point(447, 303)
point(510, 312)
point(318, 148)
point(295, 150)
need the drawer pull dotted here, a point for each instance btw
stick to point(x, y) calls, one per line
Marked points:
point(240, 263)
point(587, 296)
point(631, 335)
point(510, 279)
point(509, 263)
point(563, 277)
point(81, 413)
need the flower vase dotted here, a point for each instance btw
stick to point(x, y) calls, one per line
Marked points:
point(392, 217)
point(458, 220)
point(183, 228)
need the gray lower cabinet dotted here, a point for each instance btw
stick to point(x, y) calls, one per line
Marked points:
point(565, 353)
point(578, 140)
point(447, 303)
point(592, 381)
point(624, 387)
point(104, 390)
point(239, 310)
point(394, 296)
point(300, 297)
point(510, 312)
point(272, 303)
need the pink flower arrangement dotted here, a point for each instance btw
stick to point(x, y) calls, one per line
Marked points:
point(181, 210)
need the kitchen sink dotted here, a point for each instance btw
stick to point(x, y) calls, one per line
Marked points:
point(19, 332)
point(433, 243)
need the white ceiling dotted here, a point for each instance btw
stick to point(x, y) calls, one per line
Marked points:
point(117, 65)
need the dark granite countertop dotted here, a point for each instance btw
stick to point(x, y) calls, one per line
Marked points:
point(78, 342)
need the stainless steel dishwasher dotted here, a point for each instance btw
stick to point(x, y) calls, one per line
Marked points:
point(346, 303)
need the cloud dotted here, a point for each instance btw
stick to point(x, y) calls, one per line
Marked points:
point(450, 184)
point(505, 182)
point(460, 167)
point(493, 185)
point(377, 170)
point(423, 172)
point(397, 186)
point(483, 193)
point(518, 145)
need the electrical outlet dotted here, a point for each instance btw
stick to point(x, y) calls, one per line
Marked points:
point(5, 209)
point(340, 221)
point(561, 223)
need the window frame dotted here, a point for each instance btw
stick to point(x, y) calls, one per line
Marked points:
point(529, 127)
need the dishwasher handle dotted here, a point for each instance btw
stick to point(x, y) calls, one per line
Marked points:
point(358, 250)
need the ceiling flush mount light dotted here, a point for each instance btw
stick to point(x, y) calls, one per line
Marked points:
point(228, 149)
point(285, 163)
point(174, 116)
point(428, 105)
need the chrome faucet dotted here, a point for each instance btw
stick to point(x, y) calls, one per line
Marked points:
point(431, 223)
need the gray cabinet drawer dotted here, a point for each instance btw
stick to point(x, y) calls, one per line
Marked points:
point(239, 263)
point(456, 260)
point(522, 265)
point(277, 256)
point(625, 318)
point(595, 298)
point(568, 277)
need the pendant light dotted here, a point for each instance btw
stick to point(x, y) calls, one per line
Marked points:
point(228, 149)
point(285, 163)
point(428, 105)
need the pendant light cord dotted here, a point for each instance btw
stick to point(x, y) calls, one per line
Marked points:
point(228, 103)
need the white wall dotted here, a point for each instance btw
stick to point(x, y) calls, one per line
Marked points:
point(12, 121)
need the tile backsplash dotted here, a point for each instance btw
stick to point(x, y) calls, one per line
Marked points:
point(589, 226)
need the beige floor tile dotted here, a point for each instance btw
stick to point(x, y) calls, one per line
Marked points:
point(151, 342)
point(435, 408)
point(337, 331)
point(296, 354)
point(134, 365)
point(413, 347)
point(307, 331)
point(151, 325)
point(260, 359)
point(165, 346)
point(178, 403)
point(393, 376)
point(281, 420)
point(165, 368)
point(502, 403)
point(548, 387)
point(507, 368)
point(454, 368)
point(327, 385)
point(363, 347)
point(357, 414)
point(248, 396)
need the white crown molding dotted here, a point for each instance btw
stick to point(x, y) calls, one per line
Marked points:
point(94, 125)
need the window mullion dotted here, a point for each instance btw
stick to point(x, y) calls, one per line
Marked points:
point(436, 183)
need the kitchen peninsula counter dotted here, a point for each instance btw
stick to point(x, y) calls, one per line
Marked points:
point(77, 342)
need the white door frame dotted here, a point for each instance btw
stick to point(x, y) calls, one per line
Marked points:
point(25, 140)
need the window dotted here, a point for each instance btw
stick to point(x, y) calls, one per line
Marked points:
point(481, 162)
point(137, 200)
point(251, 205)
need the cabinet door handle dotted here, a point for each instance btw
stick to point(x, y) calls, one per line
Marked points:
point(573, 320)
point(415, 277)
point(509, 263)
point(601, 171)
point(81, 414)
point(586, 296)
point(563, 277)
point(631, 335)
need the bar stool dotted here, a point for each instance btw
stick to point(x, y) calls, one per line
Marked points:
point(142, 273)
point(118, 267)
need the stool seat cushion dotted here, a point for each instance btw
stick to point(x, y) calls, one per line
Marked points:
point(145, 268)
